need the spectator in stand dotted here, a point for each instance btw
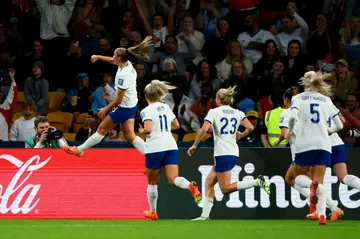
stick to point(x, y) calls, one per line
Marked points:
point(201, 107)
point(352, 117)
point(207, 18)
point(180, 104)
point(288, 25)
point(23, 128)
point(321, 46)
point(239, 9)
point(253, 38)
point(270, 53)
point(100, 97)
point(36, 89)
point(206, 73)
point(255, 135)
point(7, 107)
point(215, 47)
point(158, 30)
point(89, 127)
point(171, 52)
point(197, 39)
point(295, 62)
point(113, 135)
point(36, 54)
point(77, 100)
point(143, 78)
point(343, 82)
point(350, 41)
point(234, 52)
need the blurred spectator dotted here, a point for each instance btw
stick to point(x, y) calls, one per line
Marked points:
point(113, 135)
point(143, 78)
point(239, 9)
point(23, 128)
point(206, 73)
point(255, 135)
point(234, 52)
point(7, 107)
point(188, 33)
point(288, 25)
point(2, 33)
point(77, 100)
point(215, 47)
point(321, 45)
point(201, 107)
point(270, 53)
point(36, 89)
point(180, 104)
point(343, 82)
point(89, 127)
point(253, 38)
point(171, 51)
point(350, 41)
point(36, 54)
point(295, 62)
point(100, 97)
point(352, 117)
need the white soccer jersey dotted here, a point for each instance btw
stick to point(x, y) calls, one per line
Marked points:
point(161, 138)
point(261, 36)
point(334, 137)
point(284, 123)
point(125, 79)
point(225, 122)
point(312, 112)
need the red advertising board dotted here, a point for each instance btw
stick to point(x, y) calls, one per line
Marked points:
point(45, 183)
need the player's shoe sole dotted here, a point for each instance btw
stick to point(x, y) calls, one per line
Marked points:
point(193, 188)
point(336, 215)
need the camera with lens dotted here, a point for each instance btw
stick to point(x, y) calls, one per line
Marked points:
point(53, 134)
point(354, 133)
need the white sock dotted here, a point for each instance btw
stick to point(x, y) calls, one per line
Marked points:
point(247, 184)
point(181, 182)
point(139, 144)
point(303, 191)
point(152, 192)
point(93, 140)
point(352, 181)
point(207, 206)
point(321, 205)
point(330, 203)
point(303, 181)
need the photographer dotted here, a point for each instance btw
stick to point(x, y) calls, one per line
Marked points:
point(46, 136)
point(351, 114)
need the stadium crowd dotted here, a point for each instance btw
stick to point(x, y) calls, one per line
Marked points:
point(261, 46)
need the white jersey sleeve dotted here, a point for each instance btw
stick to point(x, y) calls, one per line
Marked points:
point(284, 119)
point(210, 116)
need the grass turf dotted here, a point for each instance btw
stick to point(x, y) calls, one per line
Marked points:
point(81, 229)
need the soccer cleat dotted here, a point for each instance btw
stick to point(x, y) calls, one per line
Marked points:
point(263, 184)
point(72, 150)
point(313, 196)
point(336, 215)
point(312, 216)
point(151, 215)
point(193, 188)
point(322, 220)
point(200, 219)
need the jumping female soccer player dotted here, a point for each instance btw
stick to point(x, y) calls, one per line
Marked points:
point(224, 121)
point(161, 149)
point(123, 108)
point(309, 115)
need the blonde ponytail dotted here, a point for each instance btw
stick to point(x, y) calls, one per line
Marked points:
point(141, 50)
point(226, 96)
point(315, 81)
point(156, 90)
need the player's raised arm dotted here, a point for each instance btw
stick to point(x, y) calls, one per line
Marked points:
point(107, 59)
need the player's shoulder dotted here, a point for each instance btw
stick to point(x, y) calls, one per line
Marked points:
point(285, 112)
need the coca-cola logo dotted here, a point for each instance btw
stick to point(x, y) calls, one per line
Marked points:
point(19, 189)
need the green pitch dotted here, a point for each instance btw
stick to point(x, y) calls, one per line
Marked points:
point(173, 229)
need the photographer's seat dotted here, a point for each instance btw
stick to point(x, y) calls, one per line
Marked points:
point(60, 120)
point(55, 100)
point(20, 102)
point(69, 137)
point(80, 122)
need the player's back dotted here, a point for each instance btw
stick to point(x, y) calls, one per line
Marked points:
point(225, 122)
point(311, 130)
point(125, 79)
point(161, 138)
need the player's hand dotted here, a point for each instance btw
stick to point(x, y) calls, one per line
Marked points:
point(141, 129)
point(102, 113)
point(191, 150)
point(277, 142)
point(239, 135)
point(12, 75)
point(94, 58)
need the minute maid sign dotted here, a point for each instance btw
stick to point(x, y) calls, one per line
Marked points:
point(278, 183)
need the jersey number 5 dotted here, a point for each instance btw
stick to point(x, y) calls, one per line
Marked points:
point(315, 112)
point(163, 122)
point(225, 122)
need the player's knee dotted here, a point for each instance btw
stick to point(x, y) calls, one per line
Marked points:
point(129, 136)
point(225, 190)
point(102, 130)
